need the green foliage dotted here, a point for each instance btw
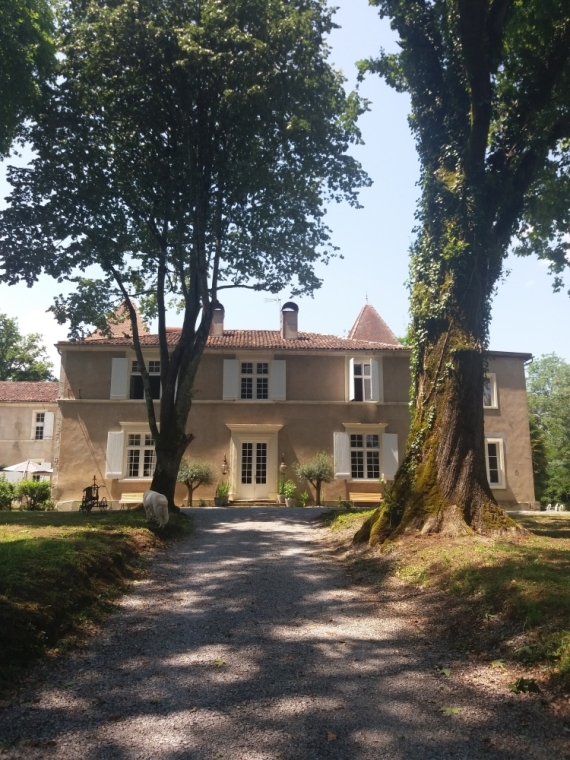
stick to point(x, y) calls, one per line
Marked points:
point(223, 489)
point(317, 471)
point(548, 385)
point(26, 58)
point(304, 498)
point(22, 357)
point(60, 570)
point(7, 493)
point(34, 493)
point(195, 473)
point(289, 489)
point(206, 164)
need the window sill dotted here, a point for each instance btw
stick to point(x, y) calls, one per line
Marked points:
point(495, 487)
point(135, 480)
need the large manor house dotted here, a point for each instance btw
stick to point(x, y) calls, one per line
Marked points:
point(264, 400)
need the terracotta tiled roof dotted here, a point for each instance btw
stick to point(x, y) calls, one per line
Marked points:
point(254, 339)
point(28, 391)
point(371, 327)
point(120, 327)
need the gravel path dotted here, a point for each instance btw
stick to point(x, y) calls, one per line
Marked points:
point(248, 642)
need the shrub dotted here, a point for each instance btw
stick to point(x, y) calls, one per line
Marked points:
point(317, 471)
point(289, 489)
point(195, 474)
point(223, 489)
point(7, 493)
point(36, 493)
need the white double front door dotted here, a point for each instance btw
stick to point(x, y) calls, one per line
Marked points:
point(253, 461)
point(253, 470)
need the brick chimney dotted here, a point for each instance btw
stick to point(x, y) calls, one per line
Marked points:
point(217, 325)
point(289, 321)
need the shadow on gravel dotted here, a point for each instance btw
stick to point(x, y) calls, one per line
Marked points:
point(246, 644)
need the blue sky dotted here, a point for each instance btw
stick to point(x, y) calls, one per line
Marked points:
point(374, 241)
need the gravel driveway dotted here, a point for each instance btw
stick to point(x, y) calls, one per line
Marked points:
point(247, 641)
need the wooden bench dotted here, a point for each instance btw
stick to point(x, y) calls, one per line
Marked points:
point(129, 500)
point(361, 498)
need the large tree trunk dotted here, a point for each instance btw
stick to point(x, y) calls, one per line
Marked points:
point(441, 486)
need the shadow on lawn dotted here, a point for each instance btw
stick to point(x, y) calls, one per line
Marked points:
point(227, 652)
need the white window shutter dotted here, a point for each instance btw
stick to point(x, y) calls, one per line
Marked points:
point(119, 378)
point(231, 379)
point(48, 425)
point(114, 458)
point(342, 456)
point(278, 380)
point(375, 379)
point(389, 455)
point(351, 380)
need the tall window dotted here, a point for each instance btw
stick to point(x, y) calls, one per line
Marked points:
point(137, 387)
point(362, 382)
point(365, 456)
point(254, 380)
point(490, 392)
point(141, 456)
point(40, 426)
point(494, 459)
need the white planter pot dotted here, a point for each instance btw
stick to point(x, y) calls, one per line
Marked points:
point(280, 498)
point(290, 502)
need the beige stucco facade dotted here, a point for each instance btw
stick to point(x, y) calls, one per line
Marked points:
point(316, 408)
point(17, 432)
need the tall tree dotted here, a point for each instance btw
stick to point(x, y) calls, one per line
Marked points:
point(489, 82)
point(26, 58)
point(549, 404)
point(184, 148)
point(22, 357)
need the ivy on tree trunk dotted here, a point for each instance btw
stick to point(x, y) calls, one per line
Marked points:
point(489, 83)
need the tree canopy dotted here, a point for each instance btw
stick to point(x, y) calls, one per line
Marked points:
point(489, 82)
point(22, 357)
point(182, 149)
point(548, 383)
point(26, 58)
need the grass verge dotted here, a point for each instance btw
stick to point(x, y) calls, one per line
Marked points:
point(60, 571)
point(511, 597)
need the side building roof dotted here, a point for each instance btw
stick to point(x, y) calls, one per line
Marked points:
point(38, 392)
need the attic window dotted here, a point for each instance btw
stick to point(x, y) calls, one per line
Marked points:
point(137, 386)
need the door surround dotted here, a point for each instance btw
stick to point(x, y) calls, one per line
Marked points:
point(263, 434)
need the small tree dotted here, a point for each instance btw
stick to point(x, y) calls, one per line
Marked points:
point(317, 471)
point(22, 357)
point(36, 493)
point(194, 474)
point(7, 492)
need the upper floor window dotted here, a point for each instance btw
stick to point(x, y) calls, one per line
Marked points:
point(137, 387)
point(141, 456)
point(490, 391)
point(40, 426)
point(254, 380)
point(365, 456)
point(364, 380)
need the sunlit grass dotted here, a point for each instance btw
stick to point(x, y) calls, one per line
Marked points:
point(59, 571)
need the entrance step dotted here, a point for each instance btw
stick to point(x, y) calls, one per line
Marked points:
point(252, 503)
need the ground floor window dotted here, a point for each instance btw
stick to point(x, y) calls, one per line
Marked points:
point(494, 459)
point(365, 456)
point(141, 456)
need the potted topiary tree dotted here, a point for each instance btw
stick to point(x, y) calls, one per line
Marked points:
point(195, 473)
point(289, 489)
point(317, 471)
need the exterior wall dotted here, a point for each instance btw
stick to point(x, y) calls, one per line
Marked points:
point(397, 378)
point(16, 442)
point(510, 422)
point(316, 408)
point(306, 430)
point(87, 374)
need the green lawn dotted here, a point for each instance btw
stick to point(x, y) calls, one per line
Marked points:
point(516, 589)
point(60, 570)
